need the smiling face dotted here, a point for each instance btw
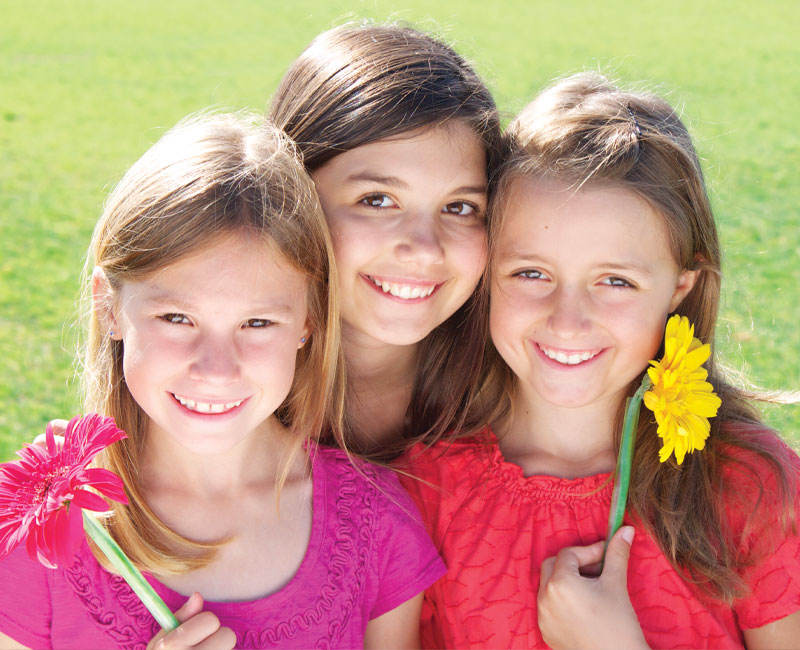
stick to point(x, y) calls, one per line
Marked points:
point(582, 283)
point(407, 219)
point(210, 342)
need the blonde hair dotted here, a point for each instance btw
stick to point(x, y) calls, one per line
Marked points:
point(585, 130)
point(207, 178)
point(359, 83)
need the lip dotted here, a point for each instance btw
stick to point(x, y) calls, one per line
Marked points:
point(404, 282)
point(552, 363)
point(206, 416)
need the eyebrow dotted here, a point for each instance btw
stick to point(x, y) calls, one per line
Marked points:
point(519, 256)
point(170, 300)
point(394, 181)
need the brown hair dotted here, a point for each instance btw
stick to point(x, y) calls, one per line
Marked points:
point(585, 130)
point(357, 84)
point(206, 179)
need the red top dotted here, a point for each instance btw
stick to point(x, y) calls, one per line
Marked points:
point(494, 527)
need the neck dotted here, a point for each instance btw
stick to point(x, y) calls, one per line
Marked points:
point(257, 460)
point(380, 377)
point(553, 440)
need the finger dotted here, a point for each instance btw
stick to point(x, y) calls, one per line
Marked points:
point(546, 572)
point(59, 427)
point(618, 553)
point(192, 607)
point(572, 558)
point(223, 639)
point(192, 632)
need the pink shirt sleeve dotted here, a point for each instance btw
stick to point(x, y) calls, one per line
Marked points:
point(25, 608)
point(408, 561)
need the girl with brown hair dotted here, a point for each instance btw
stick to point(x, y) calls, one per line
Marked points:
point(602, 230)
point(401, 138)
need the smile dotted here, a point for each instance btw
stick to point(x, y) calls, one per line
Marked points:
point(403, 291)
point(568, 358)
point(205, 407)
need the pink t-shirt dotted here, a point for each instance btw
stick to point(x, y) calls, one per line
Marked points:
point(494, 527)
point(368, 553)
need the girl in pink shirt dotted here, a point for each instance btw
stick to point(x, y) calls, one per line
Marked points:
point(214, 343)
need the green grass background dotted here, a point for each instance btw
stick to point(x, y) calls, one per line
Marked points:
point(86, 86)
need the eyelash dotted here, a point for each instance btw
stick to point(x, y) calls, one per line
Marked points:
point(625, 284)
point(367, 201)
point(182, 319)
point(525, 275)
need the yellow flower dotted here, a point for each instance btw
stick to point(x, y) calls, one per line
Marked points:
point(680, 397)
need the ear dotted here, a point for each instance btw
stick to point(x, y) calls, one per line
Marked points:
point(103, 303)
point(306, 334)
point(686, 282)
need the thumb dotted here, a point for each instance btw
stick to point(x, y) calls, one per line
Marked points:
point(618, 553)
point(191, 607)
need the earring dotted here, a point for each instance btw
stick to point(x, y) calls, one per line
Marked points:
point(111, 333)
point(303, 340)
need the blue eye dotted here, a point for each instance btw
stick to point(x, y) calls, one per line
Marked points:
point(378, 200)
point(532, 274)
point(618, 282)
point(177, 319)
point(258, 323)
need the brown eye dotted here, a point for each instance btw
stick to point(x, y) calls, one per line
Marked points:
point(378, 200)
point(460, 208)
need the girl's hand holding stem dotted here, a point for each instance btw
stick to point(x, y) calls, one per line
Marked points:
point(198, 629)
point(577, 611)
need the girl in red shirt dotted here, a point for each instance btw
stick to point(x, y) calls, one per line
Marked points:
point(602, 229)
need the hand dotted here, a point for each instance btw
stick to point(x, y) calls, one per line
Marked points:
point(576, 611)
point(59, 429)
point(198, 629)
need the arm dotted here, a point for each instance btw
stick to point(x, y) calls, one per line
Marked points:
point(778, 635)
point(398, 628)
point(7, 643)
point(576, 611)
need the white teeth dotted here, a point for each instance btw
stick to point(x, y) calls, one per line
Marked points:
point(205, 407)
point(404, 291)
point(568, 359)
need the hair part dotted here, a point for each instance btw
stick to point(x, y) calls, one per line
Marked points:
point(208, 178)
point(360, 83)
point(584, 130)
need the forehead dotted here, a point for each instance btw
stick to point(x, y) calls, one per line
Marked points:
point(448, 147)
point(590, 218)
point(237, 269)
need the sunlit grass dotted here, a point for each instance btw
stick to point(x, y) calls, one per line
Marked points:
point(85, 87)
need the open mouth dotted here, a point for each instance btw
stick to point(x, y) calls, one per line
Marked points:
point(206, 407)
point(571, 358)
point(403, 291)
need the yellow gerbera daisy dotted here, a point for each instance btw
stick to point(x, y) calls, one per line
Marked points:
point(680, 397)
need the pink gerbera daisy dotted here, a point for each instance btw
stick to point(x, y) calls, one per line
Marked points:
point(41, 496)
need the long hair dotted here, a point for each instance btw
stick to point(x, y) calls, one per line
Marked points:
point(208, 178)
point(357, 84)
point(584, 130)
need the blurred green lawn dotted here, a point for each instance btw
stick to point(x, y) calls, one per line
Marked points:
point(86, 86)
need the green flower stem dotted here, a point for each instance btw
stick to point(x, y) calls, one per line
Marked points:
point(619, 498)
point(130, 573)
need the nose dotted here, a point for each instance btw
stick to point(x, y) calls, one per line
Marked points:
point(420, 240)
point(570, 313)
point(215, 360)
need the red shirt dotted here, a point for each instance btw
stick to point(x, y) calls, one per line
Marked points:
point(494, 527)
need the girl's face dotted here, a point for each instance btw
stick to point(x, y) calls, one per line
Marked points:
point(210, 342)
point(582, 283)
point(407, 218)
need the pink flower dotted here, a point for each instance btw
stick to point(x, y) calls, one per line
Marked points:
point(41, 496)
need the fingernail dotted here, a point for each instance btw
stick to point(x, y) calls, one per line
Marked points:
point(627, 534)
